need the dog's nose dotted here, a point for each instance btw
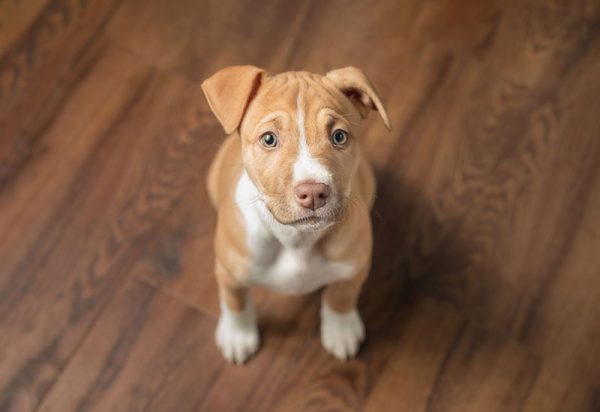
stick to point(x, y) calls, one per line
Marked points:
point(311, 195)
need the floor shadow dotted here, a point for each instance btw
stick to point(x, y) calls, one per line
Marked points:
point(415, 254)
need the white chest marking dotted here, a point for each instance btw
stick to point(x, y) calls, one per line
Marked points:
point(282, 257)
point(306, 166)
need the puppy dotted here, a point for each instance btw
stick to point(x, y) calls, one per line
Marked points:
point(293, 194)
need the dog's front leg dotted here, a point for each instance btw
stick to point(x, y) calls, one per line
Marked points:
point(237, 331)
point(342, 329)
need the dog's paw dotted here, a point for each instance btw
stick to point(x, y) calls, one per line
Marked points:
point(341, 334)
point(237, 334)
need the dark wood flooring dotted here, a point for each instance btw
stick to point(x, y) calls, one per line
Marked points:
point(485, 288)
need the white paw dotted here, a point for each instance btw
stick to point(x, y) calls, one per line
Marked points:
point(341, 333)
point(237, 333)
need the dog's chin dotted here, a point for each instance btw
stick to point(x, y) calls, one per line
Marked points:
point(312, 224)
point(308, 221)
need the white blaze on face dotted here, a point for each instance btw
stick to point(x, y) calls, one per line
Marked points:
point(306, 166)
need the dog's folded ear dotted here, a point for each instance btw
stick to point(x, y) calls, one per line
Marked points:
point(229, 91)
point(353, 83)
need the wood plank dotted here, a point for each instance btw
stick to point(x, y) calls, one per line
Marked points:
point(119, 160)
point(564, 324)
point(483, 372)
point(39, 70)
point(15, 19)
point(42, 39)
point(181, 260)
point(146, 352)
point(195, 40)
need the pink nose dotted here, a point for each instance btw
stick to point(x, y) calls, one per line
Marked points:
point(311, 195)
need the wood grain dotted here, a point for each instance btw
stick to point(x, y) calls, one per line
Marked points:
point(484, 291)
point(142, 343)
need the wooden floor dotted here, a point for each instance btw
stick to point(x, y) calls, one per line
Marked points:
point(485, 288)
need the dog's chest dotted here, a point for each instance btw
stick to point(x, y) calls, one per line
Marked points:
point(281, 257)
point(292, 269)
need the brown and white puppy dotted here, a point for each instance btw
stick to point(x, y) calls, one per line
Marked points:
point(293, 193)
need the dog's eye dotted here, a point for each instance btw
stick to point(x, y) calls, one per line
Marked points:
point(268, 140)
point(339, 137)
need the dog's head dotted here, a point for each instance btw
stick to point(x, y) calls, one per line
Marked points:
point(300, 136)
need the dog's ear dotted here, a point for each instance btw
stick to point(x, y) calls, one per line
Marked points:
point(229, 91)
point(353, 83)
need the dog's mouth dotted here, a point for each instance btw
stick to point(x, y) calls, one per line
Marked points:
point(305, 220)
point(308, 221)
point(311, 224)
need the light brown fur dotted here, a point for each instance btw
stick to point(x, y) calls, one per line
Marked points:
point(325, 103)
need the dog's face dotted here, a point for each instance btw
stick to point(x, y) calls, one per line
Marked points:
point(301, 149)
point(300, 137)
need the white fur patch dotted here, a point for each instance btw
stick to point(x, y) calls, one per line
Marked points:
point(306, 167)
point(341, 334)
point(237, 333)
point(283, 257)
